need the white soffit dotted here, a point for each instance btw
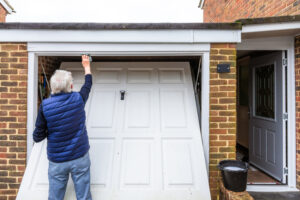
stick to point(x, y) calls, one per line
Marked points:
point(121, 36)
point(271, 29)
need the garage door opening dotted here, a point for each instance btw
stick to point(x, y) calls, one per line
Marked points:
point(147, 145)
point(48, 64)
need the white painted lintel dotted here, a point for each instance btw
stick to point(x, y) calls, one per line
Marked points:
point(72, 49)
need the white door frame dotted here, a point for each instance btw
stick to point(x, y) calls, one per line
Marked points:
point(280, 43)
point(76, 49)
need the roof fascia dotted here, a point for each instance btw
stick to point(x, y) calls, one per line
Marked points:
point(6, 6)
point(201, 4)
point(255, 28)
point(122, 36)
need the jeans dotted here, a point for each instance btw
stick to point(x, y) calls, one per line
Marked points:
point(58, 175)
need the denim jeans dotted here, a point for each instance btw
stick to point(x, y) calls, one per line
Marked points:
point(58, 175)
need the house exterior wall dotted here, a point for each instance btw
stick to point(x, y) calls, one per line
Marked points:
point(231, 10)
point(13, 102)
point(3, 14)
point(297, 78)
point(13, 117)
point(222, 120)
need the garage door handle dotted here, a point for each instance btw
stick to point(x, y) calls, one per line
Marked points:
point(122, 94)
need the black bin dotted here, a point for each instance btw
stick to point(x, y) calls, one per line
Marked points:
point(234, 174)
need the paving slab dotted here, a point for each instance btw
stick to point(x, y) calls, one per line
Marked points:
point(275, 195)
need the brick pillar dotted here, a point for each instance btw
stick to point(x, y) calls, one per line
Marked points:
point(222, 120)
point(13, 117)
point(297, 79)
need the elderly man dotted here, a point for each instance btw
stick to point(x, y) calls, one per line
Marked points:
point(61, 119)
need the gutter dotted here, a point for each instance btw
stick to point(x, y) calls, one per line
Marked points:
point(201, 4)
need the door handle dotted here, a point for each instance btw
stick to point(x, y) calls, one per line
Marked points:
point(122, 92)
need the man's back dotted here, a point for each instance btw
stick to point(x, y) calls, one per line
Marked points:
point(67, 136)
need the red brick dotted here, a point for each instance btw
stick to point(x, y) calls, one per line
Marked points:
point(231, 10)
point(8, 95)
point(9, 71)
point(18, 54)
point(222, 108)
point(9, 47)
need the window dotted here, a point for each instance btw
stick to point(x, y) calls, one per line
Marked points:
point(264, 91)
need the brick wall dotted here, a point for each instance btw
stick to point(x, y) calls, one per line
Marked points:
point(231, 10)
point(222, 120)
point(230, 195)
point(13, 112)
point(297, 73)
point(3, 14)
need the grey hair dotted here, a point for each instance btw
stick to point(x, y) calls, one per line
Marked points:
point(61, 81)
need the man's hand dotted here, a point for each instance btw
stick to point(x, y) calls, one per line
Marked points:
point(86, 64)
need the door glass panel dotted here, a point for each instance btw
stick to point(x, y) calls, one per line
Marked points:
point(264, 91)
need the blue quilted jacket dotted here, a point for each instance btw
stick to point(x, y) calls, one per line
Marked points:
point(67, 135)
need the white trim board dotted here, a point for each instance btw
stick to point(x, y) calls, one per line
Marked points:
point(281, 43)
point(283, 26)
point(32, 96)
point(271, 188)
point(6, 7)
point(121, 36)
point(268, 43)
point(117, 49)
point(76, 49)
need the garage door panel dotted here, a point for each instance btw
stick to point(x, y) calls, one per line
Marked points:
point(138, 111)
point(177, 163)
point(137, 163)
point(40, 179)
point(171, 75)
point(173, 109)
point(103, 101)
point(101, 155)
point(76, 69)
point(78, 76)
point(140, 75)
point(108, 75)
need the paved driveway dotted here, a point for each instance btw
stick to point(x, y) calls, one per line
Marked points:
point(275, 196)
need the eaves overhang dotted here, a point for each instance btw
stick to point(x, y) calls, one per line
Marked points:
point(270, 26)
point(121, 32)
point(121, 26)
point(201, 4)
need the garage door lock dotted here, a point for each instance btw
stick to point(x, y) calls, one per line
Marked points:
point(122, 94)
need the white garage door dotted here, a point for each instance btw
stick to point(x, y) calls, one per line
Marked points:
point(146, 146)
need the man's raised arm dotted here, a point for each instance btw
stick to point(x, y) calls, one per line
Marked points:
point(86, 88)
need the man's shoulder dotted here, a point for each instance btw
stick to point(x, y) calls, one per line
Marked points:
point(48, 99)
point(76, 95)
